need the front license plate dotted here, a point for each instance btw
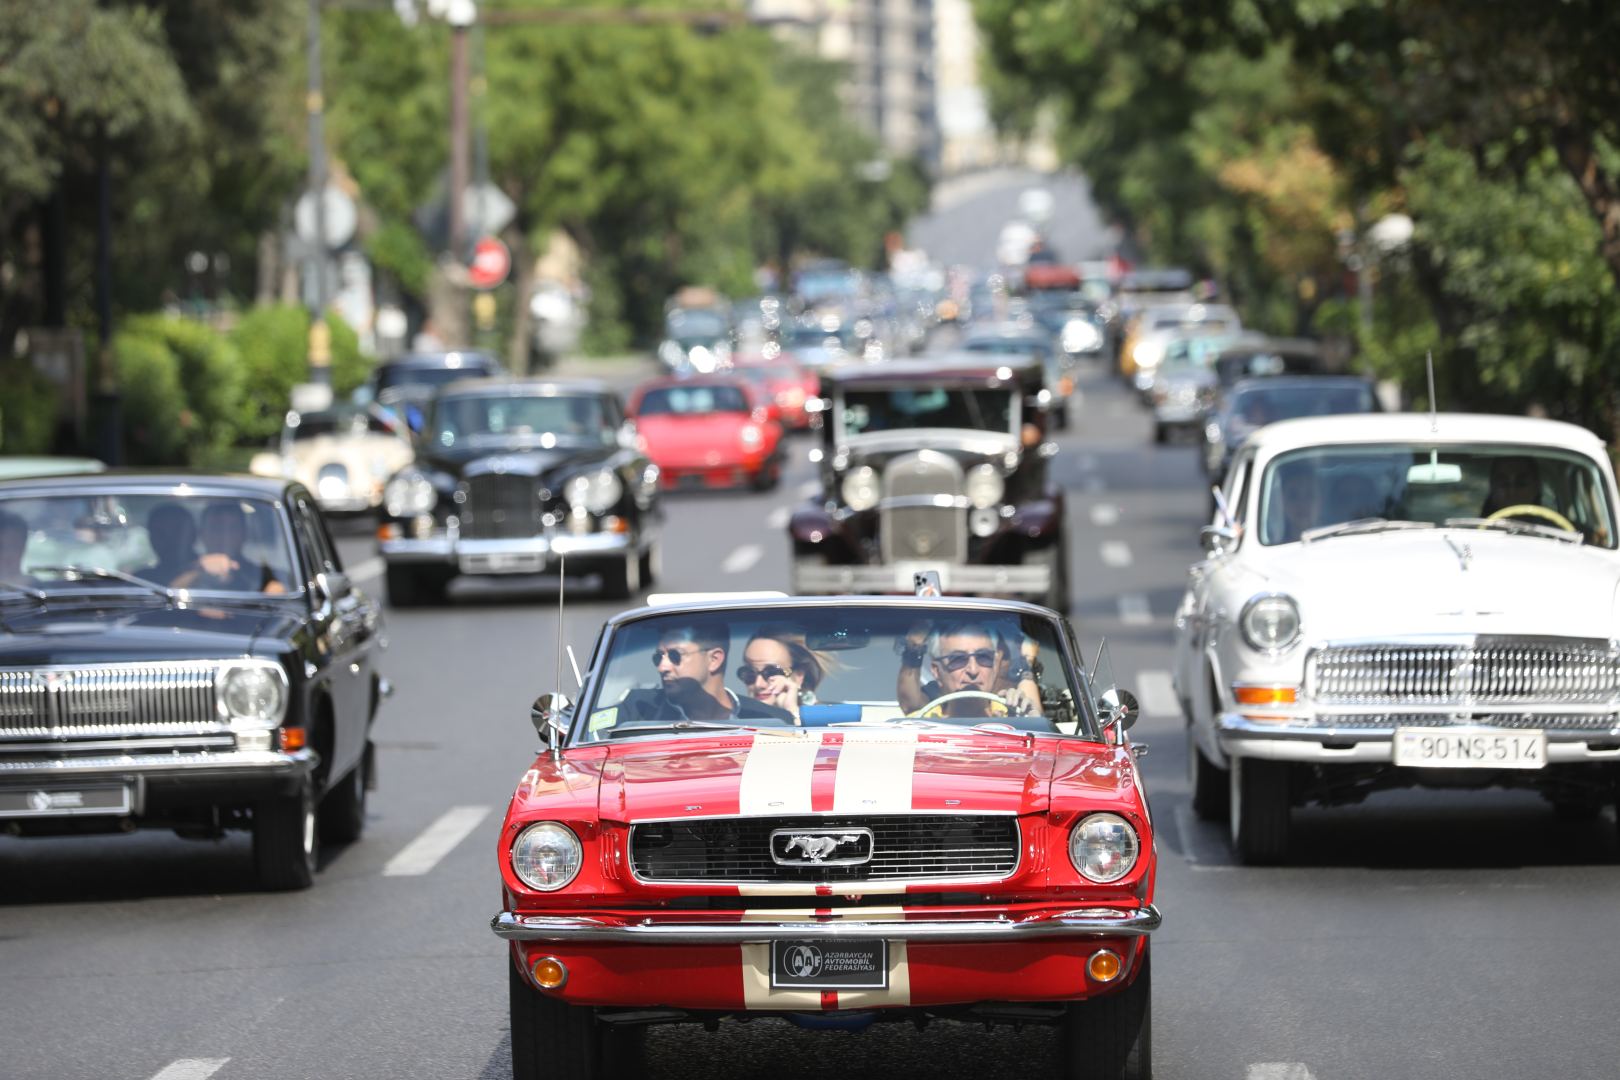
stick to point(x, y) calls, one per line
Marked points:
point(1470, 748)
point(52, 801)
point(830, 965)
point(503, 562)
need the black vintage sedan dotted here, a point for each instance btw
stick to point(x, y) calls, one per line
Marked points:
point(183, 652)
point(521, 476)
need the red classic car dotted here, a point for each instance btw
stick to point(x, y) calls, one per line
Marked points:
point(709, 431)
point(835, 811)
point(785, 381)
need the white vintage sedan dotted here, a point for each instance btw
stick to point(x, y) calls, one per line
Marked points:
point(1400, 600)
point(344, 454)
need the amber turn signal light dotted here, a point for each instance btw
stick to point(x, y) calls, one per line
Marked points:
point(1104, 965)
point(1266, 695)
point(549, 973)
point(294, 738)
point(388, 531)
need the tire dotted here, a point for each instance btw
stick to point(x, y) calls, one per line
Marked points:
point(1111, 1037)
point(1258, 810)
point(768, 477)
point(1575, 812)
point(652, 565)
point(415, 588)
point(1210, 787)
point(343, 809)
point(1161, 434)
point(1060, 416)
point(286, 841)
point(1057, 589)
point(552, 1040)
point(622, 579)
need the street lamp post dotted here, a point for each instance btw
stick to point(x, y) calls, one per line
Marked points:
point(320, 341)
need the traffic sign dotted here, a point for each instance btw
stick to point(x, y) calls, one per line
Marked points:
point(486, 209)
point(491, 262)
point(341, 217)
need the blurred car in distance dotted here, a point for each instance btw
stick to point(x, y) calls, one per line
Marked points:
point(1251, 404)
point(1029, 338)
point(792, 386)
point(709, 431)
point(407, 383)
point(344, 454)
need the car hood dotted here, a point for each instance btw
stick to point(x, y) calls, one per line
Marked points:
point(1445, 581)
point(77, 631)
point(802, 771)
point(969, 448)
point(486, 461)
point(693, 432)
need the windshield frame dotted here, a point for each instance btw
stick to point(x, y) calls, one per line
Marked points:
point(842, 434)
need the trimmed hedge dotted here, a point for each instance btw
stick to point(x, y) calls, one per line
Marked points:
point(152, 403)
point(27, 409)
point(210, 379)
point(273, 344)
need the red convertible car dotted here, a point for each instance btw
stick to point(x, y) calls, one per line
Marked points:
point(784, 381)
point(709, 431)
point(835, 811)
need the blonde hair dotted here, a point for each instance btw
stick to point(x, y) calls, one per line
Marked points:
point(813, 664)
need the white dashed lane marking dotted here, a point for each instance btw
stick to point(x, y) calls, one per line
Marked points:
point(1157, 693)
point(1279, 1070)
point(1134, 610)
point(742, 559)
point(191, 1069)
point(1115, 553)
point(809, 488)
point(1093, 485)
point(1104, 514)
point(368, 570)
point(435, 842)
point(778, 518)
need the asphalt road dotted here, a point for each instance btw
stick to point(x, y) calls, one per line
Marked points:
point(1457, 935)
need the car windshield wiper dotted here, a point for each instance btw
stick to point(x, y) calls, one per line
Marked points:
point(110, 575)
point(26, 590)
point(1524, 528)
point(1360, 525)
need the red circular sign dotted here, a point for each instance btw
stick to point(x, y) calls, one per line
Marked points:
point(491, 262)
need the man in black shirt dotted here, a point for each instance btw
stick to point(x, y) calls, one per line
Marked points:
point(691, 663)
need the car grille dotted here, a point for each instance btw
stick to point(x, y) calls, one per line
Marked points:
point(499, 506)
point(908, 847)
point(1487, 671)
point(1602, 723)
point(911, 528)
point(149, 700)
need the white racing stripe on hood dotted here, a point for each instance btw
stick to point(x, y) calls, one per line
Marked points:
point(875, 770)
point(776, 776)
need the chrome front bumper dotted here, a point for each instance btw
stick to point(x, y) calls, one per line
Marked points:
point(666, 930)
point(998, 580)
point(523, 554)
point(227, 761)
point(1270, 740)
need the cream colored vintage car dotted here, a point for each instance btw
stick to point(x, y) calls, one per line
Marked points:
point(344, 454)
point(1402, 600)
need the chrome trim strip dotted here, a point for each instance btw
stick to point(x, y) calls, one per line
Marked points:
point(584, 929)
point(266, 760)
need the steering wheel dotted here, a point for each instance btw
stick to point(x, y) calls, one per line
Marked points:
point(1533, 510)
point(934, 709)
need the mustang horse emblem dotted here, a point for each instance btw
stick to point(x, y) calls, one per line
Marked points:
point(817, 848)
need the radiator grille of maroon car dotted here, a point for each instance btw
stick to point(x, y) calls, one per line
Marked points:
point(905, 847)
point(923, 531)
point(500, 507)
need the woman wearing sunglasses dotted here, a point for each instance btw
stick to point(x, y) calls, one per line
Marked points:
point(780, 669)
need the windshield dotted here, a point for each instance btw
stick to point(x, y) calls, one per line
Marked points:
point(793, 665)
point(809, 337)
point(1255, 406)
point(695, 325)
point(399, 377)
point(867, 410)
point(358, 422)
point(189, 541)
point(1325, 486)
point(573, 419)
point(693, 400)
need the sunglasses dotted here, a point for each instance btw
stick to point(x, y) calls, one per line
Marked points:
point(770, 671)
point(956, 661)
point(674, 656)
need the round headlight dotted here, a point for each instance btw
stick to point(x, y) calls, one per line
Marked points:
point(408, 494)
point(983, 486)
point(254, 697)
point(546, 856)
point(861, 488)
point(597, 492)
point(750, 436)
point(1270, 623)
point(1103, 847)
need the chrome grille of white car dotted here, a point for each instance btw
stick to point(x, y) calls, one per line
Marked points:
point(144, 700)
point(905, 847)
point(1486, 671)
point(921, 518)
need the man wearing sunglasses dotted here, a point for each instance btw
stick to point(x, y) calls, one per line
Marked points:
point(965, 656)
point(691, 663)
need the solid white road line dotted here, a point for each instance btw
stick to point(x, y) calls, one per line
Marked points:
point(435, 842)
point(368, 570)
point(742, 559)
point(1115, 553)
point(1157, 693)
point(1104, 514)
point(1279, 1070)
point(191, 1069)
point(1134, 610)
point(778, 518)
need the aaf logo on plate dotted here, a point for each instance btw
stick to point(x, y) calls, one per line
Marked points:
point(803, 961)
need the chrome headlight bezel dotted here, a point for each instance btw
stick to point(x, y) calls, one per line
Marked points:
point(596, 492)
point(1104, 847)
point(861, 488)
point(984, 486)
point(1270, 642)
point(251, 695)
point(546, 839)
point(410, 493)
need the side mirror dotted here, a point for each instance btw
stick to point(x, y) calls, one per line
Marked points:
point(1119, 709)
point(329, 586)
point(1217, 539)
point(547, 716)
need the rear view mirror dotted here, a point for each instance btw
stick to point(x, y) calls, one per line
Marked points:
point(1434, 472)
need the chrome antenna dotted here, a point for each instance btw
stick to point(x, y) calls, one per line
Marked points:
point(562, 583)
point(1434, 415)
